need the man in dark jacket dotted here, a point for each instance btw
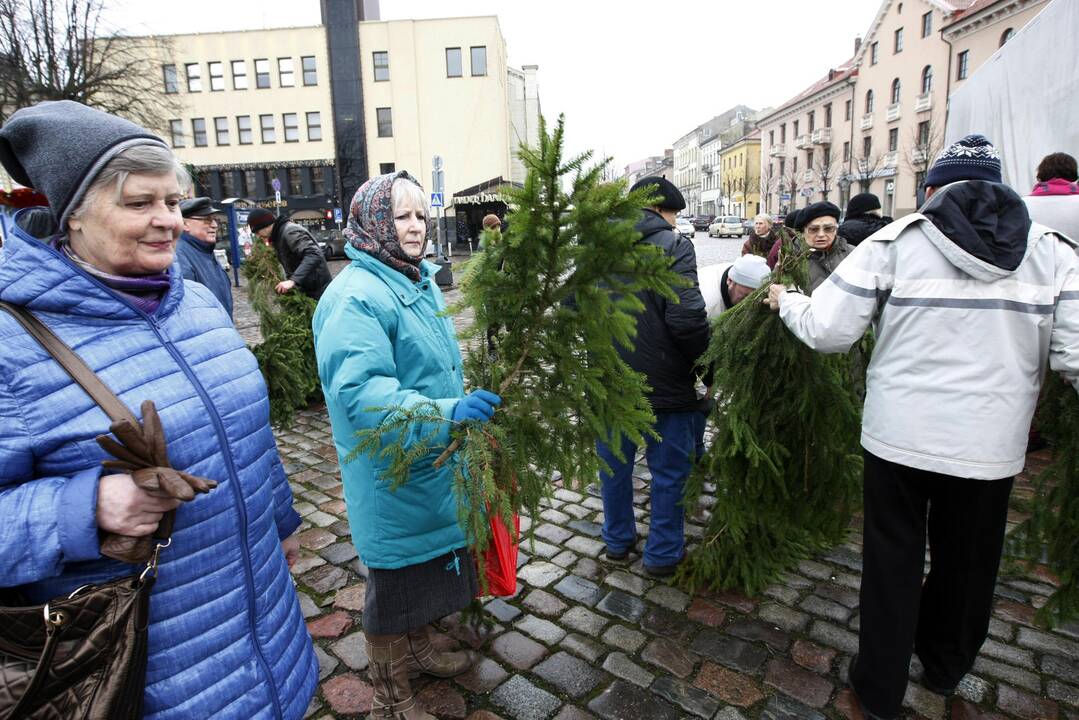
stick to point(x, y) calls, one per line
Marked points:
point(298, 253)
point(671, 336)
point(195, 250)
point(863, 218)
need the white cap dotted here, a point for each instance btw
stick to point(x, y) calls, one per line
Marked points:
point(749, 270)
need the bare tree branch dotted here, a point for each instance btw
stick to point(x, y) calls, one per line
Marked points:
point(51, 51)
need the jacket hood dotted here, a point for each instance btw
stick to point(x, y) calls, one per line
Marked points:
point(651, 223)
point(36, 276)
point(1055, 186)
point(985, 225)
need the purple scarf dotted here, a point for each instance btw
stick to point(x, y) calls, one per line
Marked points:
point(371, 228)
point(145, 292)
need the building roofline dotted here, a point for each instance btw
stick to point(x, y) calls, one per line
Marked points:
point(844, 74)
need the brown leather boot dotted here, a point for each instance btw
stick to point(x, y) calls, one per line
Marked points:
point(393, 700)
point(424, 658)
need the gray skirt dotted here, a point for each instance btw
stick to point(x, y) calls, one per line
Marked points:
point(413, 596)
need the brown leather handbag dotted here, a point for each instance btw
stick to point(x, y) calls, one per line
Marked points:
point(83, 655)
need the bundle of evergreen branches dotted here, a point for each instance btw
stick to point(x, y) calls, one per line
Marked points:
point(557, 293)
point(784, 458)
point(286, 355)
point(1051, 533)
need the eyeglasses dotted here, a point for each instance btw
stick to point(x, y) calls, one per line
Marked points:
point(208, 219)
point(817, 229)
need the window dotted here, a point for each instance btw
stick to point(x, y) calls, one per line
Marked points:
point(239, 75)
point(194, 77)
point(285, 76)
point(893, 139)
point(899, 40)
point(266, 125)
point(479, 60)
point(453, 62)
point(868, 101)
point(268, 175)
point(783, 133)
point(262, 73)
point(314, 126)
point(846, 152)
point(172, 84)
point(295, 181)
point(243, 125)
point(895, 91)
point(923, 134)
point(310, 70)
point(198, 131)
point(771, 137)
point(828, 115)
point(228, 189)
point(927, 24)
point(381, 64)
point(874, 53)
point(217, 76)
point(1006, 36)
point(291, 123)
point(847, 109)
point(961, 65)
point(386, 168)
point(812, 121)
point(782, 166)
point(318, 187)
point(385, 122)
point(250, 184)
point(794, 165)
point(221, 130)
point(176, 129)
point(809, 159)
point(867, 146)
point(927, 79)
point(794, 129)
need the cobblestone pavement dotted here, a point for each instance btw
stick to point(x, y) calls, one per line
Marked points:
point(588, 638)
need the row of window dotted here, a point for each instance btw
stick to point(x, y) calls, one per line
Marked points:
point(921, 141)
point(309, 180)
point(380, 62)
point(290, 124)
point(286, 74)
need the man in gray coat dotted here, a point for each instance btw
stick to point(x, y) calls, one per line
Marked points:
point(970, 299)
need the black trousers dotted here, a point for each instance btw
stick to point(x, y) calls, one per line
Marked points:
point(944, 619)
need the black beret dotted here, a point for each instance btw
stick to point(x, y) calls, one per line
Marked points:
point(863, 203)
point(196, 207)
point(818, 209)
point(670, 196)
point(792, 219)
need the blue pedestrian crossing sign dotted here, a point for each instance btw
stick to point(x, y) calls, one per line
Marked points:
point(436, 200)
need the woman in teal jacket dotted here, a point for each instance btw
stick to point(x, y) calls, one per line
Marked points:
point(381, 343)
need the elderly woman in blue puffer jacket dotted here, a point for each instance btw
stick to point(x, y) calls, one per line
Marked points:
point(226, 637)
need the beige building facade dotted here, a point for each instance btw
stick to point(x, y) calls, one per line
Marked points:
point(888, 105)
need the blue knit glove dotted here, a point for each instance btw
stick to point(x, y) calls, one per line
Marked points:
point(477, 405)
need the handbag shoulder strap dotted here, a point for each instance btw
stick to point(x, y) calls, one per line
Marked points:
point(79, 371)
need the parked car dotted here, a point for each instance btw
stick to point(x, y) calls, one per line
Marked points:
point(331, 242)
point(747, 226)
point(778, 219)
point(685, 228)
point(701, 222)
point(726, 226)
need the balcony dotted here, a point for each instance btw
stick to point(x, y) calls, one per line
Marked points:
point(822, 136)
point(923, 103)
point(777, 151)
point(867, 121)
point(802, 142)
point(919, 155)
point(890, 159)
point(893, 112)
point(706, 168)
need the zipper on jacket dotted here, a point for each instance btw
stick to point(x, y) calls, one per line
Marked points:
point(219, 426)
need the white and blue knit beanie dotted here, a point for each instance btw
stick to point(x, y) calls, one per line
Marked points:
point(972, 158)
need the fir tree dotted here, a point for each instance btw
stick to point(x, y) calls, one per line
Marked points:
point(784, 457)
point(558, 293)
point(1051, 533)
point(286, 355)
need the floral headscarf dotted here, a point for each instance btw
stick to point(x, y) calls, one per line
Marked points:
point(371, 228)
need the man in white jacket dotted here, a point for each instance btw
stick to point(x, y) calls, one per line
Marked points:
point(969, 299)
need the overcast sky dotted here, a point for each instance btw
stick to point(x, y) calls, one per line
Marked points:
point(630, 80)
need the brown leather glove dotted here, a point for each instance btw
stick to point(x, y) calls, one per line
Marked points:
point(142, 453)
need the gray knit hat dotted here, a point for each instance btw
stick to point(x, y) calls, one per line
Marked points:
point(59, 147)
